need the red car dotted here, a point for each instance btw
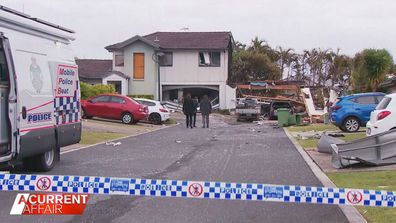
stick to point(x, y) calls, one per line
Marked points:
point(114, 106)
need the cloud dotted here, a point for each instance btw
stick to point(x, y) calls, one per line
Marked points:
point(350, 25)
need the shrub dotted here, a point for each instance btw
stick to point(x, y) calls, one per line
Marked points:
point(146, 96)
point(88, 91)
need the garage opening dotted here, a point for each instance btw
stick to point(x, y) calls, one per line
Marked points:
point(176, 93)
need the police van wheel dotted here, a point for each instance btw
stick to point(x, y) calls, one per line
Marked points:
point(42, 162)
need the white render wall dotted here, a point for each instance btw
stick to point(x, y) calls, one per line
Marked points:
point(186, 69)
point(115, 77)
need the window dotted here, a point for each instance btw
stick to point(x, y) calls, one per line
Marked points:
point(117, 100)
point(384, 103)
point(166, 60)
point(138, 66)
point(209, 59)
point(379, 98)
point(101, 99)
point(148, 103)
point(3, 66)
point(365, 100)
point(119, 60)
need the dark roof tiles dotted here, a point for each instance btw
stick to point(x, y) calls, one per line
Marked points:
point(181, 40)
point(94, 69)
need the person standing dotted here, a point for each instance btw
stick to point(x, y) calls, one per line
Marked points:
point(196, 104)
point(206, 109)
point(188, 110)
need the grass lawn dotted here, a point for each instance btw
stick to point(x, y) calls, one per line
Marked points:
point(378, 180)
point(316, 127)
point(97, 137)
point(312, 143)
point(170, 121)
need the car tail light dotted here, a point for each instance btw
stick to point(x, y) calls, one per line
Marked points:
point(336, 107)
point(163, 110)
point(383, 115)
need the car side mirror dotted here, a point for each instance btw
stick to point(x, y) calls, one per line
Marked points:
point(90, 101)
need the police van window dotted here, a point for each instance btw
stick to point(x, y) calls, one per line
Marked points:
point(3, 66)
point(101, 99)
point(117, 100)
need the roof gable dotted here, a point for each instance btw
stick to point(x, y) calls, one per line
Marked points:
point(121, 45)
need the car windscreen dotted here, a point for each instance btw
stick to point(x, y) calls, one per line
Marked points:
point(384, 103)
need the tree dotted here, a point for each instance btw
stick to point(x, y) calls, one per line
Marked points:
point(254, 63)
point(378, 64)
point(253, 66)
point(261, 46)
point(370, 68)
point(285, 60)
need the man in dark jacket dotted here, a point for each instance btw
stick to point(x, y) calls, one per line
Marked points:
point(196, 104)
point(188, 110)
point(206, 109)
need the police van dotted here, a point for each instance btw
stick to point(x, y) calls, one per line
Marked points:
point(39, 91)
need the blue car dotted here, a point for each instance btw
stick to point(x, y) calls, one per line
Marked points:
point(353, 111)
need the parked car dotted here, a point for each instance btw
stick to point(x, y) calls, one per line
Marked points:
point(275, 105)
point(247, 109)
point(353, 111)
point(114, 106)
point(157, 112)
point(383, 118)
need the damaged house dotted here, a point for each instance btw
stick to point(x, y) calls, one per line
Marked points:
point(169, 65)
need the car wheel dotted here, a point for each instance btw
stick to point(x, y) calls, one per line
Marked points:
point(155, 118)
point(351, 124)
point(84, 114)
point(127, 118)
point(43, 162)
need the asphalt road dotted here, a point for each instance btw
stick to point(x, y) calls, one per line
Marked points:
point(225, 152)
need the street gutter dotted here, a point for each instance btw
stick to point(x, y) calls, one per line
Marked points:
point(350, 212)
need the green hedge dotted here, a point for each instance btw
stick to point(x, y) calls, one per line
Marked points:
point(146, 96)
point(88, 90)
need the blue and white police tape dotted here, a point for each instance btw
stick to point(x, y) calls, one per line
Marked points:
point(197, 189)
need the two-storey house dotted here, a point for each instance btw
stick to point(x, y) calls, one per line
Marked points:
point(169, 65)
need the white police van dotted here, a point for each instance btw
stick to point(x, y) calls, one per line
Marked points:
point(39, 91)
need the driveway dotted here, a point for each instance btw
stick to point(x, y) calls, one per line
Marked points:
point(225, 152)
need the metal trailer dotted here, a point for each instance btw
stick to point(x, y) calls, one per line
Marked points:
point(373, 150)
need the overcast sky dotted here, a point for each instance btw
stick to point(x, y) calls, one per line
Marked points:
point(350, 25)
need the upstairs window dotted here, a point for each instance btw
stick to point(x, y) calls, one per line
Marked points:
point(166, 60)
point(119, 60)
point(209, 59)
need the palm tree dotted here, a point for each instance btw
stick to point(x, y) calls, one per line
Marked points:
point(285, 60)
